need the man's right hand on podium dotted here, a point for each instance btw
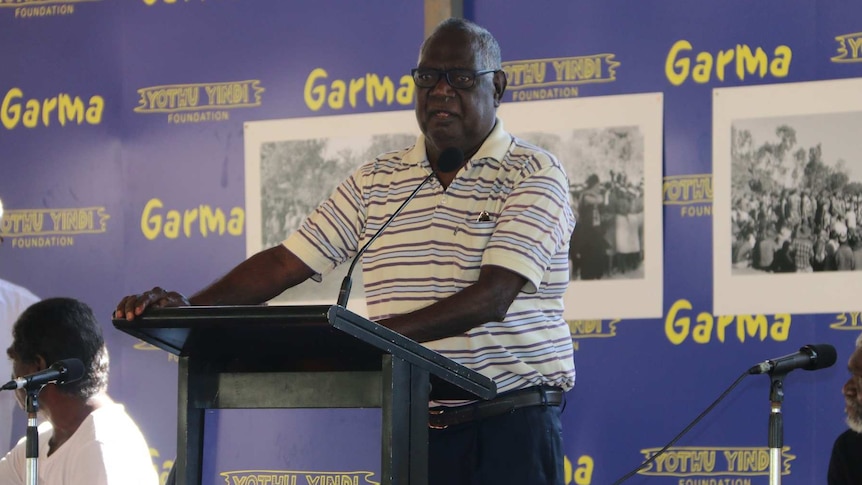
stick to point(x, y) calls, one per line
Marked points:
point(134, 305)
point(256, 280)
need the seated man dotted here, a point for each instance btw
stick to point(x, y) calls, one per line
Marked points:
point(86, 437)
point(845, 464)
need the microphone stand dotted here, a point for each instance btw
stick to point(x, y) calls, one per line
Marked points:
point(450, 159)
point(347, 282)
point(776, 427)
point(32, 405)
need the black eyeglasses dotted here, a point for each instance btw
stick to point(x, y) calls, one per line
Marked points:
point(457, 78)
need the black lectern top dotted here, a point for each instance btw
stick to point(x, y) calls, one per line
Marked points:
point(258, 338)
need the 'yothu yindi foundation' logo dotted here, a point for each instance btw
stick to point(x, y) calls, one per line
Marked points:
point(195, 103)
point(559, 77)
point(252, 477)
point(44, 228)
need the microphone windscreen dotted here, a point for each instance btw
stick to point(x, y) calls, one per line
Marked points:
point(74, 369)
point(450, 159)
point(824, 356)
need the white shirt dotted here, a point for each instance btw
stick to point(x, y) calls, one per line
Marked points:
point(107, 449)
point(14, 300)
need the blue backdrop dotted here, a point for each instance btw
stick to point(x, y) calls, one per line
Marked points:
point(122, 121)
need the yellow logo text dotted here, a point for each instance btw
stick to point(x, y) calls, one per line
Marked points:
point(42, 8)
point(39, 228)
point(849, 48)
point(17, 3)
point(376, 90)
point(564, 70)
point(592, 328)
point(693, 193)
point(557, 77)
point(150, 3)
point(678, 326)
point(583, 329)
point(687, 461)
point(582, 474)
point(202, 219)
point(34, 112)
point(165, 468)
point(847, 321)
point(192, 97)
point(741, 59)
point(285, 477)
point(687, 189)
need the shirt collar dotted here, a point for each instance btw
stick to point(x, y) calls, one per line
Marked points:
point(495, 146)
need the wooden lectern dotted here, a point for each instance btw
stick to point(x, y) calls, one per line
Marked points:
point(319, 356)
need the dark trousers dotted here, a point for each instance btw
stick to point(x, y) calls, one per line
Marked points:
point(523, 447)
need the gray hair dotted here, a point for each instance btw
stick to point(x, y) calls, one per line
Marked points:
point(487, 48)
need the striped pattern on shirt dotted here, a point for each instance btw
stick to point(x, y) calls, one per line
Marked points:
point(508, 206)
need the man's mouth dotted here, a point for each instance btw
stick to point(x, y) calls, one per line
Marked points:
point(853, 410)
point(441, 114)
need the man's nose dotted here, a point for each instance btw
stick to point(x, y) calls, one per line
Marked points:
point(443, 88)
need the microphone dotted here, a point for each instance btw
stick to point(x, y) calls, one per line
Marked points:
point(450, 159)
point(809, 357)
point(61, 372)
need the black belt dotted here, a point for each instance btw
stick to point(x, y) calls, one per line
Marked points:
point(442, 417)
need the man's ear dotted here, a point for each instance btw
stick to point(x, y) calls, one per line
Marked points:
point(40, 363)
point(500, 83)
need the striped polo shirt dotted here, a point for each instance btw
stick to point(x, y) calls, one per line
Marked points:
point(508, 206)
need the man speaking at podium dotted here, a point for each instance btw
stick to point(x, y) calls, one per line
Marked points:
point(475, 267)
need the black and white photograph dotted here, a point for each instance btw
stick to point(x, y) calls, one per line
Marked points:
point(795, 187)
point(606, 187)
point(791, 199)
point(611, 149)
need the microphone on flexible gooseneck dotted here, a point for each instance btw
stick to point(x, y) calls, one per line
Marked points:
point(61, 372)
point(450, 159)
point(809, 357)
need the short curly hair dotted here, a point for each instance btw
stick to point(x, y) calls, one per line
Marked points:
point(63, 328)
point(485, 46)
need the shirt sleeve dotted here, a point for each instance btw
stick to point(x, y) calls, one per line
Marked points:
point(535, 225)
point(330, 235)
